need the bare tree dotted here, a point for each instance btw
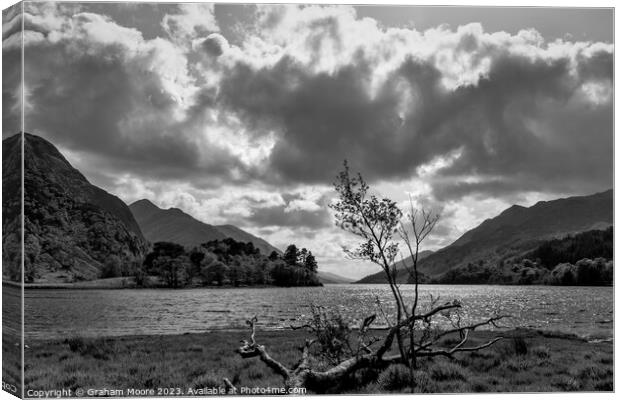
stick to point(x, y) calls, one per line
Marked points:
point(377, 222)
point(422, 224)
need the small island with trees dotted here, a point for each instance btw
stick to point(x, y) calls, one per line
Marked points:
point(224, 262)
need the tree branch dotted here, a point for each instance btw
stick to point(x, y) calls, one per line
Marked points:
point(394, 330)
point(305, 356)
point(490, 321)
point(457, 349)
point(252, 349)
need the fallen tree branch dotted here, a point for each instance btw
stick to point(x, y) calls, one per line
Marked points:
point(457, 349)
point(462, 330)
point(319, 381)
point(252, 349)
point(305, 356)
point(394, 330)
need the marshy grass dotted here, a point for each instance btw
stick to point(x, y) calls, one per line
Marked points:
point(527, 361)
point(11, 361)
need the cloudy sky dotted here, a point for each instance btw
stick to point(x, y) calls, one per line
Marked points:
point(243, 114)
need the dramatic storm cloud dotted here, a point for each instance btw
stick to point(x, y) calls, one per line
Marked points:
point(516, 109)
point(244, 114)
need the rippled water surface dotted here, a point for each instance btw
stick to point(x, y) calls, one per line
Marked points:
point(586, 311)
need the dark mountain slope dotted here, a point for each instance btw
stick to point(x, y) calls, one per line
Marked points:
point(72, 228)
point(43, 159)
point(11, 208)
point(544, 219)
point(173, 225)
point(520, 229)
point(580, 259)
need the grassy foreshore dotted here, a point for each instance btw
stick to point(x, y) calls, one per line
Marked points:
point(11, 362)
point(533, 362)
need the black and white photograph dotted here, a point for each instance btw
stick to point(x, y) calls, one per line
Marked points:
point(213, 199)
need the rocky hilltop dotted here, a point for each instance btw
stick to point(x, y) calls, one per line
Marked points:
point(176, 226)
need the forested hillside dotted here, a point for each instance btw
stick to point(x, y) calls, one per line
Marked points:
point(582, 259)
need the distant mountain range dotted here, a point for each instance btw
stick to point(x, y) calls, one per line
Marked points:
point(518, 230)
point(73, 228)
point(174, 225)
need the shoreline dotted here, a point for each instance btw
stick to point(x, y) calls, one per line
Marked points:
point(102, 284)
point(509, 331)
point(108, 284)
